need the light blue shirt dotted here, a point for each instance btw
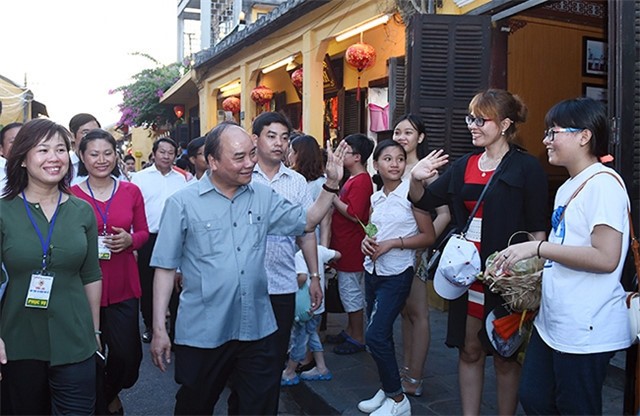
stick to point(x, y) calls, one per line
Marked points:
point(219, 244)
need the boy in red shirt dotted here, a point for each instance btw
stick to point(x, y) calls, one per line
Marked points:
point(347, 234)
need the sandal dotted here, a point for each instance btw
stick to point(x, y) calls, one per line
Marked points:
point(315, 374)
point(295, 380)
point(349, 346)
point(336, 339)
point(416, 386)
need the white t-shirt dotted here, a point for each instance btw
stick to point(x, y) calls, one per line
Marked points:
point(584, 312)
point(325, 255)
point(393, 216)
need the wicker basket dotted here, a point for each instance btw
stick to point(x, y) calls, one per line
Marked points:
point(522, 289)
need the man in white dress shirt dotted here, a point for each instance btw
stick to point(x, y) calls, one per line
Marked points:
point(157, 183)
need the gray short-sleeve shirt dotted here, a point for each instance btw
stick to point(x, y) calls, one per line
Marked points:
point(219, 245)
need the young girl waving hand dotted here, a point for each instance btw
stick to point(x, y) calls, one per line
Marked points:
point(389, 271)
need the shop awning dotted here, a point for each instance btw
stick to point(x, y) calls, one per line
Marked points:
point(183, 91)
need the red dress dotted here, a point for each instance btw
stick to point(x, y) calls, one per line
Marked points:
point(474, 175)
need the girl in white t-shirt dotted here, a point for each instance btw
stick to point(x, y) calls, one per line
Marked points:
point(582, 319)
point(389, 271)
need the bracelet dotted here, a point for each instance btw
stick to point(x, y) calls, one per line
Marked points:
point(97, 332)
point(402, 243)
point(538, 250)
point(330, 190)
point(312, 275)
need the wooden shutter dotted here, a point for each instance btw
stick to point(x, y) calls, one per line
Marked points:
point(397, 89)
point(448, 59)
point(353, 113)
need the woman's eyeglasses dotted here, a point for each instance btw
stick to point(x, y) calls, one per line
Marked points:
point(478, 121)
point(550, 133)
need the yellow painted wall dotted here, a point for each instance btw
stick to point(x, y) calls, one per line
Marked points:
point(323, 23)
point(12, 103)
point(141, 144)
point(450, 7)
point(279, 81)
point(544, 67)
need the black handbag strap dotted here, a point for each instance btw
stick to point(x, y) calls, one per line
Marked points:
point(484, 192)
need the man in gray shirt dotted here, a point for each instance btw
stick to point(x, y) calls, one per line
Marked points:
point(215, 232)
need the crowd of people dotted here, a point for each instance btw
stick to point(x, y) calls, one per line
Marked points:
point(230, 248)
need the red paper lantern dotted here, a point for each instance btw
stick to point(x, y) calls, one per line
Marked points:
point(361, 56)
point(178, 110)
point(231, 104)
point(262, 95)
point(296, 78)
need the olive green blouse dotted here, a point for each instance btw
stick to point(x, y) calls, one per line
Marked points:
point(63, 333)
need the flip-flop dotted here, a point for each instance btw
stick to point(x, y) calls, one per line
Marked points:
point(349, 346)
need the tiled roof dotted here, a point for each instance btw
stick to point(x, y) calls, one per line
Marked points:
point(266, 25)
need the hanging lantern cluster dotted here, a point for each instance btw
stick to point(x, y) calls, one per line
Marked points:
point(262, 96)
point(361, 56)
point(296, 78)
point(231, 104)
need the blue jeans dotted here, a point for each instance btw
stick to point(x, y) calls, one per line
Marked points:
point(555, 382)
point(303, 334)
point(386, 296)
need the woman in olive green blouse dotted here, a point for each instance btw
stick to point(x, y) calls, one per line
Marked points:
point(50, 314)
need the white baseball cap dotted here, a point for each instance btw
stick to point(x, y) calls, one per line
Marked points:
point(458, 268)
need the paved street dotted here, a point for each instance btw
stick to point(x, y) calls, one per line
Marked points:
point(355, 378)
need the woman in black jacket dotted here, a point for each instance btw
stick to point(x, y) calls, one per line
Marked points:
point(516, 200)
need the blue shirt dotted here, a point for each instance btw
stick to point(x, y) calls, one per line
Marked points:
point(219, 245)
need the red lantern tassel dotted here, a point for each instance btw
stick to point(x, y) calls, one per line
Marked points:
point(358, 90)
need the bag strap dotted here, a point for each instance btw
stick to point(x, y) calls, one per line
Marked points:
point(484, 192)
point(635, 245)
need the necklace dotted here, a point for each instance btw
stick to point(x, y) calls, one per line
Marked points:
point(488, 166)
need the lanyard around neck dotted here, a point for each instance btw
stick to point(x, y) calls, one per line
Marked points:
point(104, 215)
point(44, 243)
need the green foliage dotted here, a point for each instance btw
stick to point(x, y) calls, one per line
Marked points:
point(141, 99)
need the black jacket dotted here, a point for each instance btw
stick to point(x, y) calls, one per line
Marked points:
point(517, 200)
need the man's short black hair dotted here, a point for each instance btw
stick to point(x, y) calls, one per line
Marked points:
point(268, 118)
point(361, 145)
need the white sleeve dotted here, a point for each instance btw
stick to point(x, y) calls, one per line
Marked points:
point(301, 265)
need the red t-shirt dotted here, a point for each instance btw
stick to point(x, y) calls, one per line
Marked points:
point(346, 235)
point(473, 175)
point(120, 278)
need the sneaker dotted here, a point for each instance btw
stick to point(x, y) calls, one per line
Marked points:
point(315, 374)
point(391, 407)
point(368, 406)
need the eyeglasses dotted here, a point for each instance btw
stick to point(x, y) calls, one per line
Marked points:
point(550, 133)
point(478, 121)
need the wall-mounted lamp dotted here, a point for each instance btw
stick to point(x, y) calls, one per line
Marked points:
point(361, 28)
point(278, 64)
point(231, 86)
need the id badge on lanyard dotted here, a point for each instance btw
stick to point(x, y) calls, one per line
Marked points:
point(39, 292)
point(39, 289)
point(104, 253)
